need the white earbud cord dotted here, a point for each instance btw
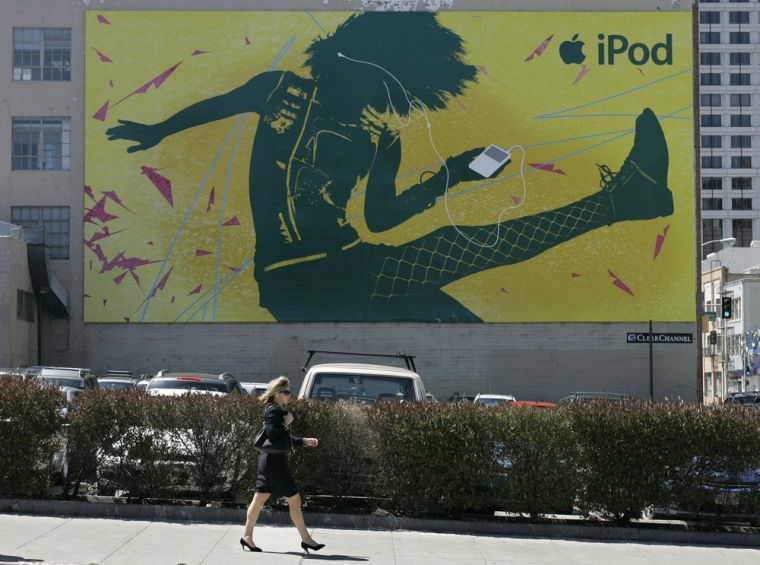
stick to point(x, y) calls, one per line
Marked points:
point(415, 104)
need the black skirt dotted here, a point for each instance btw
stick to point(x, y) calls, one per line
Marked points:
point(274, 476)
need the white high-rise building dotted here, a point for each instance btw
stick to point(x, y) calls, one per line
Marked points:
point(729, 32)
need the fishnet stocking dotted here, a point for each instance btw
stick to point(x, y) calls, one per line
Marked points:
point(448, 254)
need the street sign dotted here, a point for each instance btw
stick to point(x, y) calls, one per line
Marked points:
point(710, 314)
point(658, 337)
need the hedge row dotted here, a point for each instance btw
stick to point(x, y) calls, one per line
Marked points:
point(610, 458)
point(30, 428)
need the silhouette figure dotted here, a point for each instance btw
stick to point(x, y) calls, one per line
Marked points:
point(320, 135)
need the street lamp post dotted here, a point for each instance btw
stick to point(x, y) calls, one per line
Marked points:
point(726, 241)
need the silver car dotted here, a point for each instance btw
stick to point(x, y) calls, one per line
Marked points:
point(173, 384)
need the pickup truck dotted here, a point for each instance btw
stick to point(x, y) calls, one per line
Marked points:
point(362, 382)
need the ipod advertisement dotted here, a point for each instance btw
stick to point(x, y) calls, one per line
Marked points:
point(388, 166)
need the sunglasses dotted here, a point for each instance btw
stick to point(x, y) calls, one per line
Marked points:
point(286, 392)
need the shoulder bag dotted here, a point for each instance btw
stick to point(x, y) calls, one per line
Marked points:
point(262, 443)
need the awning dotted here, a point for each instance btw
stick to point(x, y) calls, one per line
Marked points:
point(46, 285)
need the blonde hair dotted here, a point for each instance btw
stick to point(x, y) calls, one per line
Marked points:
point(277, 385)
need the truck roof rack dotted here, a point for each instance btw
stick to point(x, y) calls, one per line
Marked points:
point(408, 359)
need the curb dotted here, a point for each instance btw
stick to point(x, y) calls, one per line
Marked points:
point(729, 536)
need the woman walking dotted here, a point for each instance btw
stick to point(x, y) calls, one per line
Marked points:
point(274, 476)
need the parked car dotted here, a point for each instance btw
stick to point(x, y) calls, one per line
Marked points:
point(256, 389)
point(746, 399)
point(362, 382)
point(736, 495)
point(28, 372)
point(173, 384)
point(461, 397)
point(492, 400)
point(72, 377)
point(580, 397)
point(719, 492)
point(117, 382)
point(534, 404)
point(71, 381)
point(119, 373)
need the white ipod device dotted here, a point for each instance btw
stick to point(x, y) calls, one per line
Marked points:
point(488, 162)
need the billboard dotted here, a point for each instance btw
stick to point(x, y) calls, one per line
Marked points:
point(412, 166)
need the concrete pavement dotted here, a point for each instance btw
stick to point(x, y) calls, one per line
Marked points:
point(65, 540)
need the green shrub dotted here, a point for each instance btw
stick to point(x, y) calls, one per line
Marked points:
point(541, 452)
point(343, 468)
point(614, 459)
point(624, 455)
point(30, 433)
point(123, 432)
point(435, 457)
point(717, 442)
point(157, 447)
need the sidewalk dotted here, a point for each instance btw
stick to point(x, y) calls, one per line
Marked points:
point(44, 540)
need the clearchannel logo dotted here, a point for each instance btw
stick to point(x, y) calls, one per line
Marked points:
point(613, 48)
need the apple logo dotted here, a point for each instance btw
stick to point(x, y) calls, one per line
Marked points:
point(571, 52)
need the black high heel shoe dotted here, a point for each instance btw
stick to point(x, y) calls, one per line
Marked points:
point(244, 544)
point(316, 547)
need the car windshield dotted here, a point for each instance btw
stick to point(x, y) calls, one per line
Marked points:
point(189, 384)
point(116, 385)
point(364, 388)
point(62, 381)
point(749, 399)
point(492, 401)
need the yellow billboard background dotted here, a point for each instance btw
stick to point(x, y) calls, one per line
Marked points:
point(191, 260)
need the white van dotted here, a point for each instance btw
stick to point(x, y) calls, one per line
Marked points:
point(362, 382)
point(74, 377)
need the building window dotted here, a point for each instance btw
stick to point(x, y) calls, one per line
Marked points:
point(741, 162)
point(741, 141)
point(738, 37)
point(742, 231)
point(41, 53)
point(712, 230)
point(709, 100)
point(740, 100)
point(709, 17)
point(709, 120)
point(41, 144)
point(739, 79)
point(712, 183)
point(741, 183)
point(24, 306)
point(709, 37)
point(709, 79)
point(712, 141)
point(741, 121)
point(738, 17)
point(709, 58)
point(712, 162)
point(712, 204)
point(741, 204)
point(739, 58)
point(53, 219)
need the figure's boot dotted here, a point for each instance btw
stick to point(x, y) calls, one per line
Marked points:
point(639, 191)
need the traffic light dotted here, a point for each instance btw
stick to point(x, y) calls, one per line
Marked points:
point(713, 337)
point(726, 307)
